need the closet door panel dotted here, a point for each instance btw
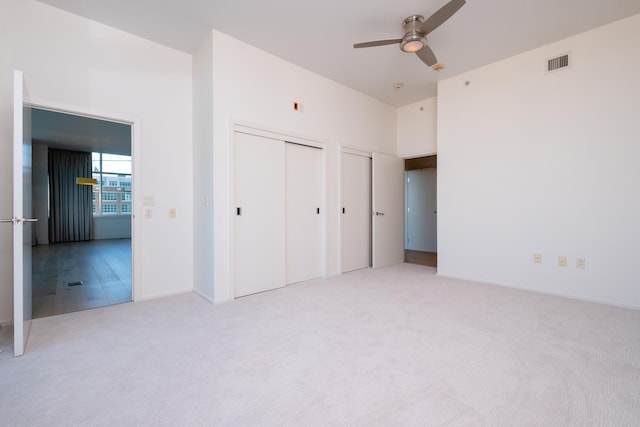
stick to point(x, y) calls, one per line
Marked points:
point(305, 212)
point(260, 214)
point(356, 213)
point(388, 210)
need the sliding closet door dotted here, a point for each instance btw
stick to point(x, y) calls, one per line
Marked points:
point(305, 213)
point(356, 212)
point(260, 214)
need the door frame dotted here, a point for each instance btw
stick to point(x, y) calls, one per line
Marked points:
point(374, 261)
point(136, 152)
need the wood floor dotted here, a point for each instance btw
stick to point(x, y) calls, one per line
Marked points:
point(102, 266)
point(430, 259)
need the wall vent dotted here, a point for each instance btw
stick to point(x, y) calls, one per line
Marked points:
point(558, 63)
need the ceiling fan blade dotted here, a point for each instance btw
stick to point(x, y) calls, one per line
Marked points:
point(427, 56)
point(376, 43)
point(444, 13)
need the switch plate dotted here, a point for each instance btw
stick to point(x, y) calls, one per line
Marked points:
point(172, 213)
point(148, 213)
point(562, 261)
point(537, 258)
point(581, 263)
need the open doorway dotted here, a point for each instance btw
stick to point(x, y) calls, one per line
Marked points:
point(82, 255)
point(421, 241)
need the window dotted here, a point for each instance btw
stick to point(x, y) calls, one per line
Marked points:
point(113, 193)
point(109, 208)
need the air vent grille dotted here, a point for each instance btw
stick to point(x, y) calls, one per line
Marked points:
point(557, 63)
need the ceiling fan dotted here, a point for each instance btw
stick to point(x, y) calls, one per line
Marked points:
point(416, 30)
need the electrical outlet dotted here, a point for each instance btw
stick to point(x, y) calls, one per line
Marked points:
point(537, 258)
point(562, 261)
point(148, 213)
point(581, 263)
point(172, 213)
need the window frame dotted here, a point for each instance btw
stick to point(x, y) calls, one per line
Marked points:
point(124, 185)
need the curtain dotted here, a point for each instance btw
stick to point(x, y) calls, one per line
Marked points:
point(70, 204)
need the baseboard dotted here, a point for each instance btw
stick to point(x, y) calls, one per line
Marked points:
point(543, 292)
point(223, 300)
point(165, 294)
point(6, 323)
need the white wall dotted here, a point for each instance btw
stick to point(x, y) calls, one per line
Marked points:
point(417, 129)
point(253, 87)
point(533, 162)
point(202, 168)
point(111, 227)
point(71, 61)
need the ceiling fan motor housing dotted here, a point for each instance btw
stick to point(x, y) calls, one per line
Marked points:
point(414, 38)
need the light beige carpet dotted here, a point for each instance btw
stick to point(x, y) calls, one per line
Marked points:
point(393, 346)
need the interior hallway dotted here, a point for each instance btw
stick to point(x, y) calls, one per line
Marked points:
point(103, 267)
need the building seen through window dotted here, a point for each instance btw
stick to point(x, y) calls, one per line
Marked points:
point(112, 194)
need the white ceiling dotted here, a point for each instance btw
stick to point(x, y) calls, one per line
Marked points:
point(319, 35)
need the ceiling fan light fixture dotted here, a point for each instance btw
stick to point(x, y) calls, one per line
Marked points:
point(413, 39)
point(412, 45)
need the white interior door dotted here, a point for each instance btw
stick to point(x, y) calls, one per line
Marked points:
point(421, 210)
point(260, 214)
point(22, 217)
point(305, 212)
point(356, 212)
point(388, 210)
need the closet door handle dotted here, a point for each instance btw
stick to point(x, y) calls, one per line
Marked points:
point(239, 211)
